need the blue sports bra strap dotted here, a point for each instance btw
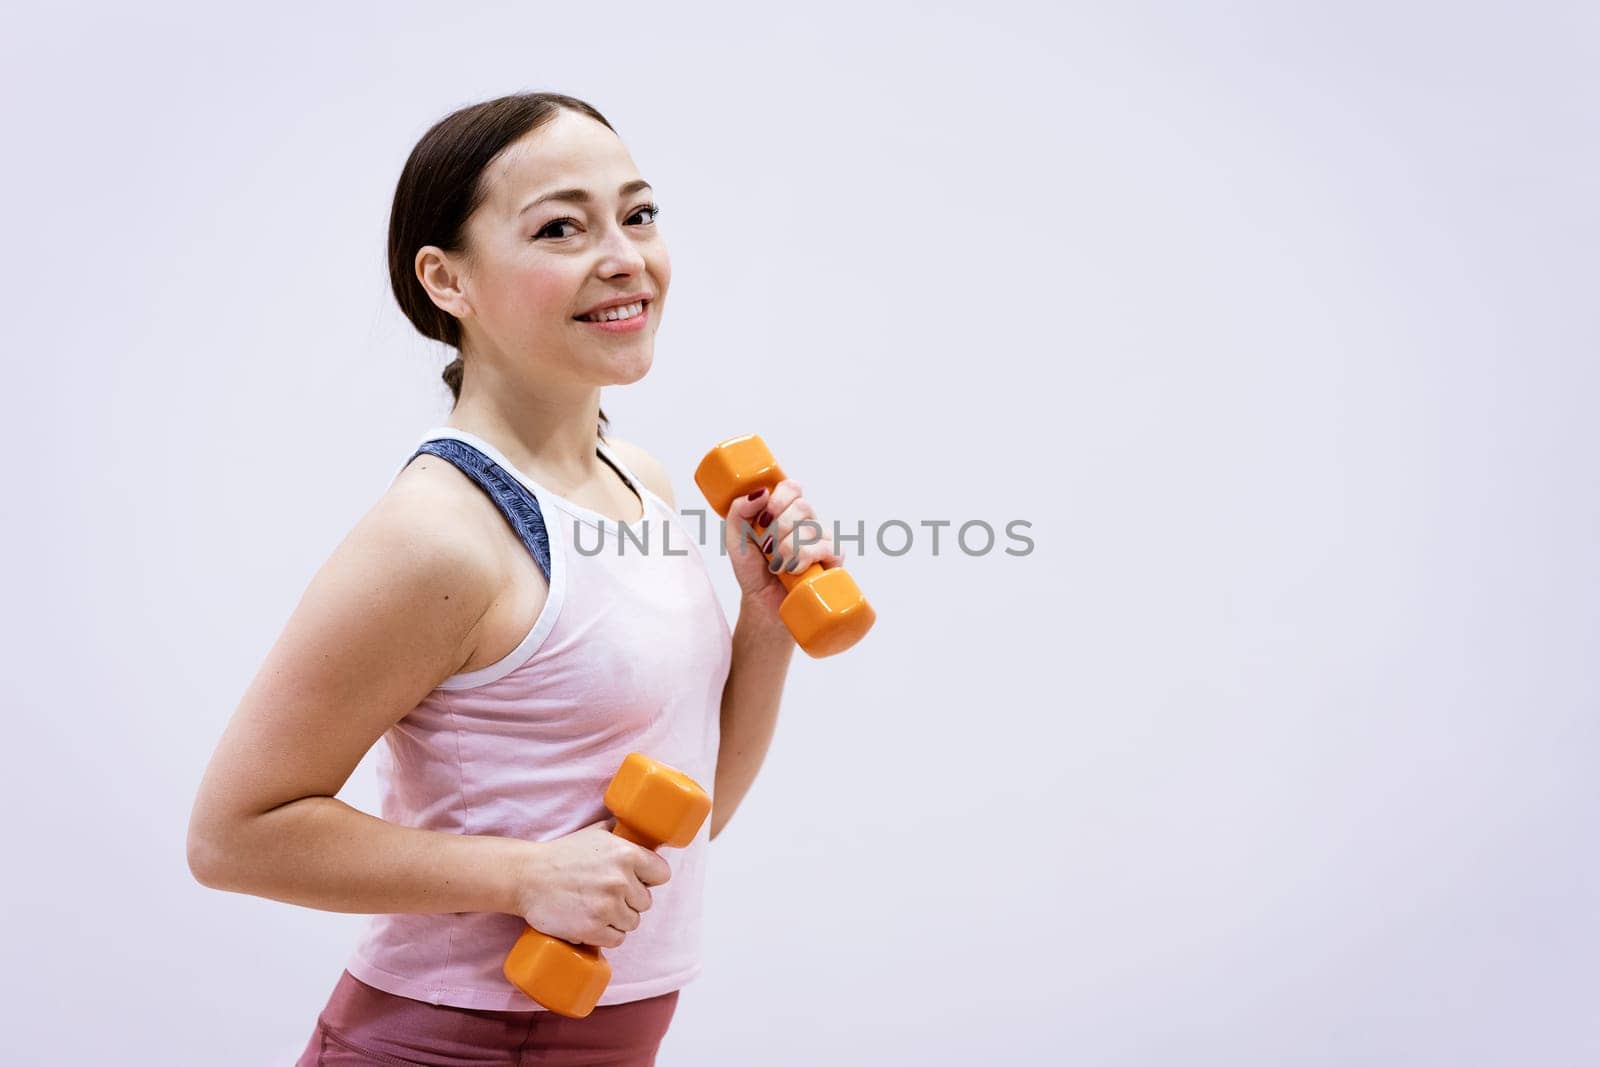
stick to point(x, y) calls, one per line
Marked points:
point(519, 506)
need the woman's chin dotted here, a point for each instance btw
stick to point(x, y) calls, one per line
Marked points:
point(626, 372)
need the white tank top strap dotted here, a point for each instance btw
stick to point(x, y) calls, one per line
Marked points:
point(646, 494)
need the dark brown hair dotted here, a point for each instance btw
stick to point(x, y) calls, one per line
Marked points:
point(441, 186)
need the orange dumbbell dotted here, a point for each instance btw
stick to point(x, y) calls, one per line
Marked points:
point(824, 610)
point(655, 805)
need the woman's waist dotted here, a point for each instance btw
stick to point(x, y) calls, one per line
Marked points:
point(466, 951)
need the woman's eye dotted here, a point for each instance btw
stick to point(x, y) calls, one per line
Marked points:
point(653, 209)
point(552, 225)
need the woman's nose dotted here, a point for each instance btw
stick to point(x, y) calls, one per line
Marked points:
point(617, 250)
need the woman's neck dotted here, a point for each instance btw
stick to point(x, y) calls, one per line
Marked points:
point(549, 435)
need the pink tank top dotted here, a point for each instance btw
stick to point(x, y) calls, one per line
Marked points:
point(629, 653)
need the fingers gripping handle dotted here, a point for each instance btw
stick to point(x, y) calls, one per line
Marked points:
point(789, 580)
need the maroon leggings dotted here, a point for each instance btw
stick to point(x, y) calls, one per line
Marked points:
point(363, 1025)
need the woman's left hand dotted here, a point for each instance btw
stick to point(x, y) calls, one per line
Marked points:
point(797, 539)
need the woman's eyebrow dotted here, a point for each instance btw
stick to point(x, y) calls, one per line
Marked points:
point(582, 197)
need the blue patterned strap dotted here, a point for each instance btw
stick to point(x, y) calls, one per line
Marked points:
point(518, 505)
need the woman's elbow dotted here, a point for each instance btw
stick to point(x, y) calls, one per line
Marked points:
point(208, 852)
point(204, 860)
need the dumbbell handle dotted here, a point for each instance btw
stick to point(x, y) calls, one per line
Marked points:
point(628, 833)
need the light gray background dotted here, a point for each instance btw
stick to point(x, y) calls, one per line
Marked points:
point(1276, 321)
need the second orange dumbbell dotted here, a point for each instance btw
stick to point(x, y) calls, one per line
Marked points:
point(825, 610)
point(655, 805)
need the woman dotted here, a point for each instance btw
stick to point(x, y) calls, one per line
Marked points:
point(469, 622)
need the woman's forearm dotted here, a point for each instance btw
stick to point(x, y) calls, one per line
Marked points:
point(750, 698)
point(320, 852)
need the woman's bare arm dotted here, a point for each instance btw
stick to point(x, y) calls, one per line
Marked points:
point(750, 700)
point(393, 612)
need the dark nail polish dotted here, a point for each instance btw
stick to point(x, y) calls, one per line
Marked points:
point(776, 564)
point(756, 495)
point(765, 519)
point(766, 546)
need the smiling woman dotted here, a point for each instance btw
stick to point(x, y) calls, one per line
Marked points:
point(506, 674)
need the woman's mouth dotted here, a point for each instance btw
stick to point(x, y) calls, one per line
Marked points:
point(624, 319)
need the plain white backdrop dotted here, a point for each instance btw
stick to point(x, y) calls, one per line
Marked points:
point(1276, 321)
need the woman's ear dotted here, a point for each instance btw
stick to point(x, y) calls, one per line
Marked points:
point(441, 276)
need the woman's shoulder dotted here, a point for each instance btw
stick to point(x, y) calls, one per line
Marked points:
point(441, 516)
point(403, 594)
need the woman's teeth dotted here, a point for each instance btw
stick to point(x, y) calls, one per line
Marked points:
point(626, 311)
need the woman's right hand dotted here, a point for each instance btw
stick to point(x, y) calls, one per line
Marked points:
point(589, 887)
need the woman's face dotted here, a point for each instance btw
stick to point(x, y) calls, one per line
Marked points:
point(538, 262)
